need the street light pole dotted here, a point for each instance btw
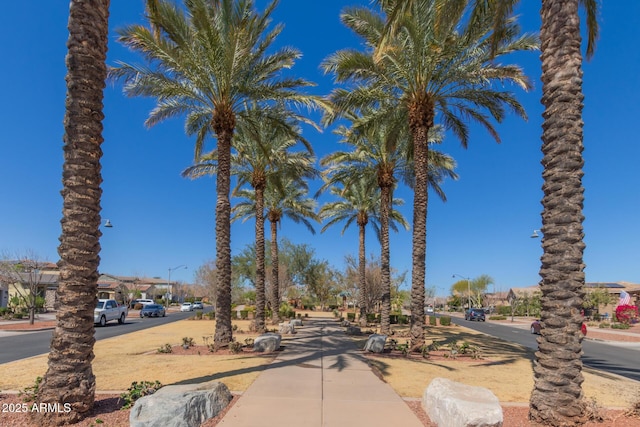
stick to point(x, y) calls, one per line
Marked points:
point(169, 282)
point(468, 286)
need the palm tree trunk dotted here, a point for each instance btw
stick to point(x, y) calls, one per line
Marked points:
point(557, 397)
point(258, 324)
point(362, 296)
point(421, 114)
point(275, 279)
point(69, 378)
point(385, 204)
point(223, 125)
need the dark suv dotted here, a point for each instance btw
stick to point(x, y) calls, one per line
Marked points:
point(474, 314)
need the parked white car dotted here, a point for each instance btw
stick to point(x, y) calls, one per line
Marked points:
point(108, 309)
point(186, 306)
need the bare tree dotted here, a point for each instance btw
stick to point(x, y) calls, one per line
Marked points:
point(25, 272)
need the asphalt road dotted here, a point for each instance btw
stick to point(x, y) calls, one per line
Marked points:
point(616, 358)
point(28, 344)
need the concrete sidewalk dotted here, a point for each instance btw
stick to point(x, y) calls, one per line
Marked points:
point(320, 379)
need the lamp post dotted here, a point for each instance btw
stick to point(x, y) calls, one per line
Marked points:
point(468, 286)
point(535, 234)
point(169, 282)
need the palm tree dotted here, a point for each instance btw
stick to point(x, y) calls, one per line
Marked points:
point(69, 378)
point(380, 153)
point(284, 196)
point(206, 61)
point(262, 154)
point(436, 61)
point(359, 203)
point(562, 269)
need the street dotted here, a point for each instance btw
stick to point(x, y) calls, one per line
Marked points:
point(19, 345)
point(616, 358)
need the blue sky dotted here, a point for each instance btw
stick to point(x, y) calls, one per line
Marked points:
point(162, 220)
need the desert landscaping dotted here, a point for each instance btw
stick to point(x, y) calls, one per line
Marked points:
point(504, 368)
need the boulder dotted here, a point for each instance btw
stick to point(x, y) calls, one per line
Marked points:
point(345, 323)
point(375, 343)
point(186, 405)
point(267, 343)
point(286, 329)
point(453, 404)
point(295, 322)
point(353, 330)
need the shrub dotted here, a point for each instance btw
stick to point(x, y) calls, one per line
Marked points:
point(165, 349)
point(620, 326)
point(371, 317)
point(351, 317)
point(433, 321)
point(3, 311)
point(445, 320)
point(604, 325)
point(29, 394)
point(626, 313)
point(244, 314)
point(198, 315)
point(235, 347)
point(138, 390)
point(188, 342)
point(393, 319)
point(499, 317)
point(138, 306)
point(211, 315)
point(403, 319)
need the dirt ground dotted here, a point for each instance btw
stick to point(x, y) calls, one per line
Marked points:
point(504, 368)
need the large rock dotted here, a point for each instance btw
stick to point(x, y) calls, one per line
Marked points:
point(295, 322)
point(452, 404)
point(186, 405)
point(286, 329)
point(375, 343)
point(267, 343)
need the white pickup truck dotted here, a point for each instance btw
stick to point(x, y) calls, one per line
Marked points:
point(109, 309)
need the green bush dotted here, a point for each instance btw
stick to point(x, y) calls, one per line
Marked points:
point(199, 315)
point(503, 310)
point(18, 315)
point(433, 321)
point(371, 317)
point(604, 325)
point(393, 319)
point(244, 314)
point(500, 317)
point(620, 326)
point(403, 319)
point(351, 317)
point(138, 390)
point(445, 320)
point(3, 311)
point(211, 315)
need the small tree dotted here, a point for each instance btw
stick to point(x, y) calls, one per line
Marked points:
point(25, 273)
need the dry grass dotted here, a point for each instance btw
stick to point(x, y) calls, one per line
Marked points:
point(505, 368)
point(134, 357)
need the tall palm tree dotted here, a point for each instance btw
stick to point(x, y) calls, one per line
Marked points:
point(284, 196)
point(359, 203)
point(379, 152)
point(436, 62)
point(206, 60)
point(562, 269)
point(262, 154)
point(69, 378)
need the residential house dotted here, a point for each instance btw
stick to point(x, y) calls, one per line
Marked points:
point(613, 288)
point(41, 277)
